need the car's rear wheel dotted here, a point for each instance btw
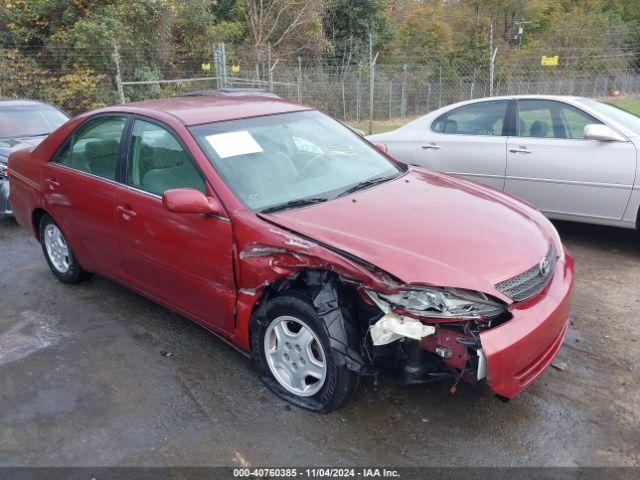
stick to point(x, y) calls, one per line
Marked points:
point(58, 253)
point(293, 351)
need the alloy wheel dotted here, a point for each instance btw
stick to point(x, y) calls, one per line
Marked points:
point(295, 356)
point(57, 248)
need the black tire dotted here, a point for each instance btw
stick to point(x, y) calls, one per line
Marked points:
point(75, 273)
point(339, 382)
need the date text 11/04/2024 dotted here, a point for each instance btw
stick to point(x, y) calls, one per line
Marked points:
point(322, 472)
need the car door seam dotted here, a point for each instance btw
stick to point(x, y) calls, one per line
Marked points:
point(618, 186)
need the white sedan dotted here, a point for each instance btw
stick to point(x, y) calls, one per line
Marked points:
point(573, 158)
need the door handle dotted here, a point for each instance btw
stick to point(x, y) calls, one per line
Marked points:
point(52, 183)
point(126, 213)
point(520, 150)
point(431, 146)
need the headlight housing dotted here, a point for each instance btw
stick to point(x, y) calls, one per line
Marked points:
point(431, 302)
point(558, 242)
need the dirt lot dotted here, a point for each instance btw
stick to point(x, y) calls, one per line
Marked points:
point(84, 382)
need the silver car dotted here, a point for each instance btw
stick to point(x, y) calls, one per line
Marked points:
point(573, 158)
point(23, 124)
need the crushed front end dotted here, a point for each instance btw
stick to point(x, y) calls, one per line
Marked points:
point(430, 333)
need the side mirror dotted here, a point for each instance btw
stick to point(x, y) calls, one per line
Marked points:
point(602, 133)
point(356, 130)
point(189, 200)
point(381, 146)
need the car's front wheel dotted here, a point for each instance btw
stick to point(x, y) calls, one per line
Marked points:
point(58, 253)
point(292, 349)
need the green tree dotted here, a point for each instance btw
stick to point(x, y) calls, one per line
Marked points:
point(421, 36)
point(348, 24)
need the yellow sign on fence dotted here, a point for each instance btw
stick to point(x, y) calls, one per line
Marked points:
point(549, 61)
point(206, 67)
point(235, 68)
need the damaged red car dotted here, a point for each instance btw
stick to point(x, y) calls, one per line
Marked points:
point(300, 243)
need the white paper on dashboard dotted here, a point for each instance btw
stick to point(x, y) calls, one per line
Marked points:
point(232, 144)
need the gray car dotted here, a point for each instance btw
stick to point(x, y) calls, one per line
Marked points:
point(23, 124)
point(573, 158)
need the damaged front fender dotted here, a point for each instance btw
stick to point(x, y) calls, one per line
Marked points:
point(276, 259)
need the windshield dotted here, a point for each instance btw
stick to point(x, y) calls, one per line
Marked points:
point(29, 120)
point(617, 114)
point(286, 160)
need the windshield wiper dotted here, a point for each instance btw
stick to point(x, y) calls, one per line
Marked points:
point(293, 204)
point(363, 184)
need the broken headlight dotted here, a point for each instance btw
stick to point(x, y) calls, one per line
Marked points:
point(3, 170)
point(440, 303)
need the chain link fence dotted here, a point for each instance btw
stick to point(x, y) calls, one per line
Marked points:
point(78, 80)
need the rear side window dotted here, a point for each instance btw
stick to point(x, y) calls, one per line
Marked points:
point(94, 147)
point(484, 118)
point(157, 162)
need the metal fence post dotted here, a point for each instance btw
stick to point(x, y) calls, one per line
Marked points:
point(270, 67)
point(3, 78)
point(403, 93)
point(223, 61)
point(344, 101)
point(116, 59)
point(372, 79)
point(216, 64)
point(299, 79)
point(472, 87)
point(390, 99)
point(492, 57)
point(492, 70)
point(358, 99)
point(440, 87)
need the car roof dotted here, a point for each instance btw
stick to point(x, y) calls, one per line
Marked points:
point(242, 92)
point(198, 110)
point(20, 102)
point(562, 98)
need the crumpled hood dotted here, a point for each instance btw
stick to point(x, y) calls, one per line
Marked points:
point(10, 145)
point(428, 228)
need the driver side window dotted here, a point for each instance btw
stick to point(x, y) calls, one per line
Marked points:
point(551, 119)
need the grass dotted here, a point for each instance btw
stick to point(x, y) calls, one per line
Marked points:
point(380, 126)
point(630, 104)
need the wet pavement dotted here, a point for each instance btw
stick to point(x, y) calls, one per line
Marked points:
point(84, 381)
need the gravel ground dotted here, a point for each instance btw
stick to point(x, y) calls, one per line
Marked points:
point(84, 382)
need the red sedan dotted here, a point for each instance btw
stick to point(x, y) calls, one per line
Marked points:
point(300, 243)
